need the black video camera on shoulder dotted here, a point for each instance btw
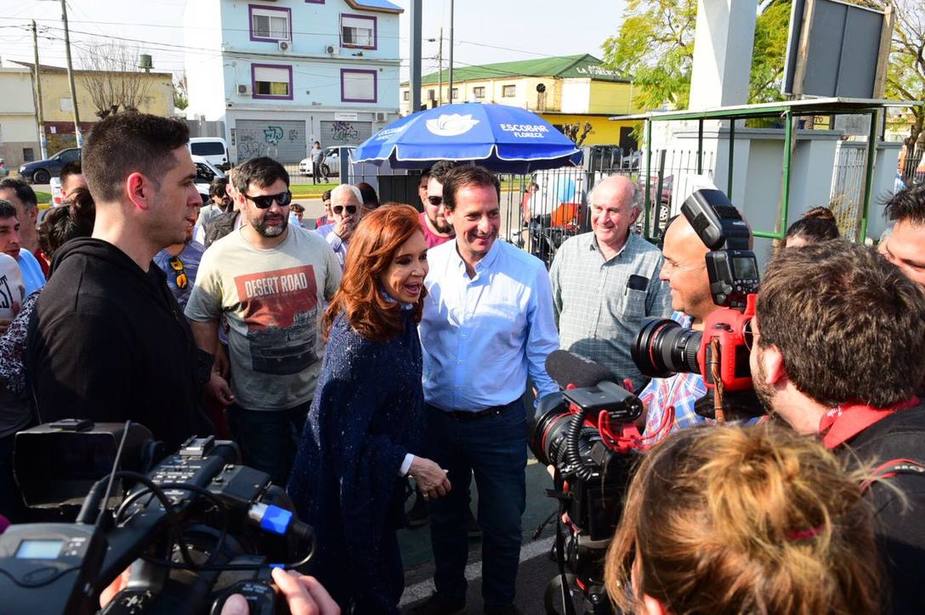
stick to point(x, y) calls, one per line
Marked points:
point(194, 526)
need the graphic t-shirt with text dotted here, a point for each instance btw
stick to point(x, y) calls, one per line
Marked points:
point(273, 301)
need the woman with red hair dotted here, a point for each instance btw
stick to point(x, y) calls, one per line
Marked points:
point(365, 421)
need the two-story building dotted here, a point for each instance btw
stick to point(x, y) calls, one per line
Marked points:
point(273, 76)
point(576, 89)
point(19, 139)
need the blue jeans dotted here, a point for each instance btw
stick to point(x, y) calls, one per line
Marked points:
point(494, 449)
point(268, 439)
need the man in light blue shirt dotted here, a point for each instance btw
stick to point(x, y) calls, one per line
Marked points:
point(488, 325)
point(32, 275)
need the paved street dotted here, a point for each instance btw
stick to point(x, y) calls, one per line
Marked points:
point(536, 567)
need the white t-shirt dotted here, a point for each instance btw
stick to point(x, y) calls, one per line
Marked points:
point(12, 290)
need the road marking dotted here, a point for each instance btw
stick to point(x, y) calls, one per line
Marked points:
point(423, 589)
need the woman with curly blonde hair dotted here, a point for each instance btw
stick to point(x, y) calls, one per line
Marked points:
point(733, 520)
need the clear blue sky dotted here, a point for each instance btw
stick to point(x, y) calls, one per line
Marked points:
point(485, 30)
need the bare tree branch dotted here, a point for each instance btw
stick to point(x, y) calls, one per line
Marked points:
point(114, 82)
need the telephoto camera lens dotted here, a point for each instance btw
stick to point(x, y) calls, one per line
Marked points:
point(663, 348)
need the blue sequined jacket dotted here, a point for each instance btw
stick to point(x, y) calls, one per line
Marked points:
point(367, 414)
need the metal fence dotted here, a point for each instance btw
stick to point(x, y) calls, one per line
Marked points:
point(541, 210)
point(671, 176)
point(847, 192)
point(912, 169)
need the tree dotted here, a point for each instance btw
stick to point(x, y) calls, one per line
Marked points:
point(112, 79)
point(577, 132)
point(905, 78)
point(181, 93)
point(655, 48)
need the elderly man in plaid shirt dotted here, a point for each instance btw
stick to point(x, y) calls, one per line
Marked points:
point(606, 282)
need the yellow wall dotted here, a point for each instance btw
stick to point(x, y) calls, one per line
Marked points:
point(605, 97)
point(613, 98)
point(603, 131)
point(159, 99)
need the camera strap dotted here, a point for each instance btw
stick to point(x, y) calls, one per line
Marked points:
point(845, 421)
point(891, 468)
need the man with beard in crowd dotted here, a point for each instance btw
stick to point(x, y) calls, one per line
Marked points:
point(838, 351)
point(433, 219)
point(271, 282)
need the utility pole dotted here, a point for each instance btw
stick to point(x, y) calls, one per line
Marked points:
point(440, 69)
point(451, 52)
point(70, 74)
point(415, 81)
point(40, 117)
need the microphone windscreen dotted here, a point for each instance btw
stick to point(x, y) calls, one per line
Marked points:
point(567, 368)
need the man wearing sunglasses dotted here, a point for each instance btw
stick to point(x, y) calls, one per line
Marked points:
point(270, 281)
point(436, 228)
point(346, 211)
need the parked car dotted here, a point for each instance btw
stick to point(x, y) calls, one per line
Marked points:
point(205, 173)
point(330, 166)
point(212, 148)
point(41, 171)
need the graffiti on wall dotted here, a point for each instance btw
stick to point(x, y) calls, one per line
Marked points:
point(283, 140)
point(344, 132)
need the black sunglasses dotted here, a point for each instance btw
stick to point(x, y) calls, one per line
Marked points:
point(435, 200)
point(263, 202)
point(351, 209)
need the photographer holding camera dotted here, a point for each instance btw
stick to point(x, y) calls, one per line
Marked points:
point(684, 269)
point(838, 351)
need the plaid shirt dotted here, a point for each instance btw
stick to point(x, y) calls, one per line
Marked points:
point(681, 391)
point(598, 313)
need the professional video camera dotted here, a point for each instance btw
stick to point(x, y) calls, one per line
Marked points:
point(587, 434)
point(719, 353)
point(194, 527)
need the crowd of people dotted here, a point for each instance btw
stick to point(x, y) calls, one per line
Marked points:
point(396, 342)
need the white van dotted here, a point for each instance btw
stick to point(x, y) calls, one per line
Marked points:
point(213, 149)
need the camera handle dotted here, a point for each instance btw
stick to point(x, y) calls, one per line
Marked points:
point(718, 413)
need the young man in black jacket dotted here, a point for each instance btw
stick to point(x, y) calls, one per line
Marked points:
point(838, 352)
point(108, 341)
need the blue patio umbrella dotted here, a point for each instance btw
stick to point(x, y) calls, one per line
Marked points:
point(499, 137)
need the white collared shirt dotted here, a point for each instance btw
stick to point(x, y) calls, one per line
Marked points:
point(482, 336)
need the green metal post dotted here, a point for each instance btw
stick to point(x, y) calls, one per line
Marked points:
point(788, 160)
point(732, 140)
point(869, 174)
point(648, 197)
point(700, 146)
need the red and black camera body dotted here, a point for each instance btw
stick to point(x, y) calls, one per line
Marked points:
point(732, 329)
